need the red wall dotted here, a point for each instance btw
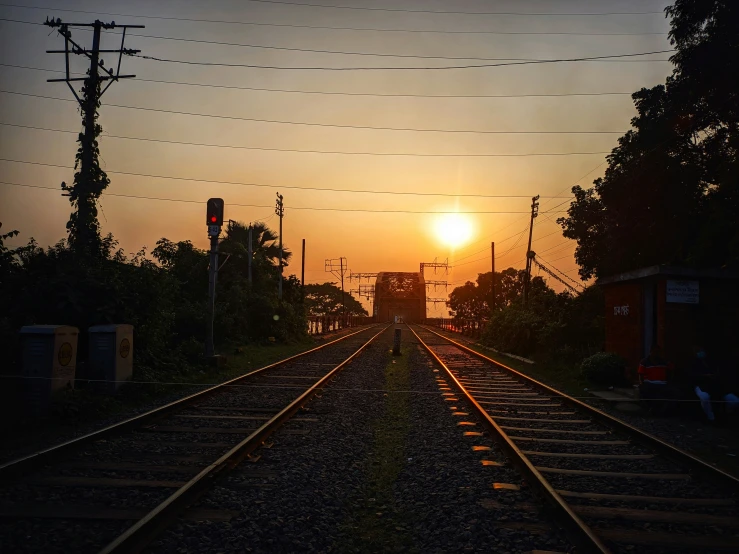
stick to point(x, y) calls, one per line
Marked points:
point(624, 332)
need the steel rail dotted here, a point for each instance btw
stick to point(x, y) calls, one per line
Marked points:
point(580, 533)
point(646, 439)
point(141, 533)
point(25, 463)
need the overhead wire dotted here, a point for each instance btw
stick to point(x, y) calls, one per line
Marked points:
point(318, 124)
point(311, 208)
point(306, 151)
point(445, 12)
point(342, 93)
point(399, 68)
point(329, 28)
point(552, 266)
point(315, 50)
point(294, 187)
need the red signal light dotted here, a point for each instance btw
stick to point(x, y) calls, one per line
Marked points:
point(214, 214)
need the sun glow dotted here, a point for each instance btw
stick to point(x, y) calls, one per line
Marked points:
point(453, 229)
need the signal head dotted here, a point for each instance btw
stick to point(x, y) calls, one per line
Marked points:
point(214, 212)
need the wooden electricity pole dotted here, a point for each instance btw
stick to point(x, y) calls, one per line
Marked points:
point(90, 180)
point(492, 277)
point(527, 277)
point(302, 273)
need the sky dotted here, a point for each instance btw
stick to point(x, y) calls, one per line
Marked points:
point(381, 232)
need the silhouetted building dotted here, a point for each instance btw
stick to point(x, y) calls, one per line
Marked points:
point(677, 308)
point(400, 294)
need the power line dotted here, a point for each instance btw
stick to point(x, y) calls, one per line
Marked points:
point(241, 183)
point(499, 256)
point(321, 51)
point(356, 53)
point(484, 250)
point(411, 68)
point(319, 124)
point(563, 257)
point(561, 272)
point(488, 237)
point(340, 93)
point(552, 252)
point(443, 12)
point(331, 28)
point(341, 152)
point(310, 208)
point(519, 235)
point(564, 243)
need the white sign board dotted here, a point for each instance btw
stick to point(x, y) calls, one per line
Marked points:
point(214, 230)
point(682, 292)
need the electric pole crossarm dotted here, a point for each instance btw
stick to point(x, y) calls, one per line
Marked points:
point(112, 25)
point(80, 50)
point(85, 79)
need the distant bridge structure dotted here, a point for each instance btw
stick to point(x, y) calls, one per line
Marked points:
point(401, 294)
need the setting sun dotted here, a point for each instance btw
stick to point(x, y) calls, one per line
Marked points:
point(453, 229)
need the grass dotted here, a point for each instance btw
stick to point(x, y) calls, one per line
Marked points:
point(377, 525)
point(77, 410)
point(565, 377)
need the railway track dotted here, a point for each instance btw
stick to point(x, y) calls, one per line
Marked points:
point(614, 487)
point(114, 490)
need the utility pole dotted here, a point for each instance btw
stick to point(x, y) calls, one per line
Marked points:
point(214, 221)
point(90, 180)
point(338, 271)
point(302, 274)
point(343, 305)
point(280, 211)
point(250, 254)
point(527, 277)
point(492, 279)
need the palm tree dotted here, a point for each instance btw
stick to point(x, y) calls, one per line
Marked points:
point(264, 241)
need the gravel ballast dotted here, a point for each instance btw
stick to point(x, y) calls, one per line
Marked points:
point(95, 492)
point(385, 468)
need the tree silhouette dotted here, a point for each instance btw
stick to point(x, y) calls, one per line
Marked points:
point(473, 300)
point(264, 242)
point(325, 299)
point(671, 190)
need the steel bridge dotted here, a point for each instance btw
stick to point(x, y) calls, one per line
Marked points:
point(401, 294)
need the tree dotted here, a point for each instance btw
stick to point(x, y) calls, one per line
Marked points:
point(671, 190)
point(264, 241)
point(473, 300)
point(466, 302)
point(325, 299)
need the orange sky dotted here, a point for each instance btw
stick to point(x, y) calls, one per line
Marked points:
point(370, 241)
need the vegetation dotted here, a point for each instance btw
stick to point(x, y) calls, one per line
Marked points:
point(604, 368)
point(671, 190)
point(474, 300)
point(326, 299)
point(378, 523)
point(164, 296)
point(670, 195)
point(554, 327)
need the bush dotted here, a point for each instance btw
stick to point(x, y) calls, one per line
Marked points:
point(604, 368)
point(513, 330)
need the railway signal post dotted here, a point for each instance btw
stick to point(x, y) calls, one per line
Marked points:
point(214, 221)
point(280, 211)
